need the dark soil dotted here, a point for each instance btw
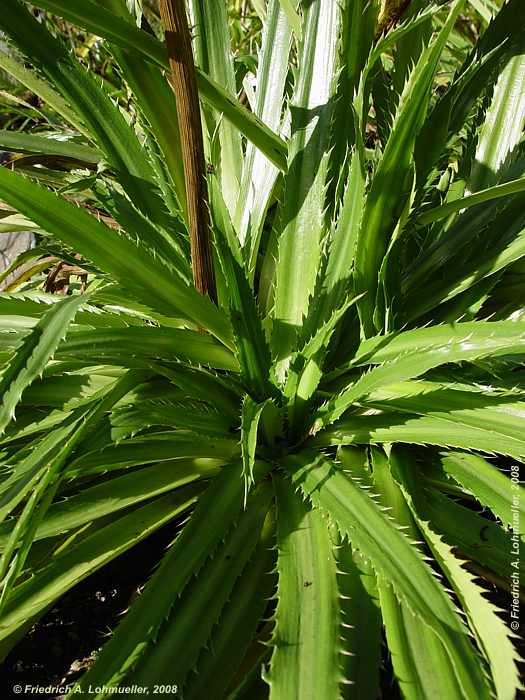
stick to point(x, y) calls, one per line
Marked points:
point(59, 647)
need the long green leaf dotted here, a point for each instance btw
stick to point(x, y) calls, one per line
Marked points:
point(306, 660)
point(28, 470)
point(147, 342)
point(481, 540)
point(88, 14)
point(445, 430)
point(503, 126)
point(495, 192)
point(198, 418)
point(116, 494)
point(203, 599)
point(464, 341)
point(253, 353)
point(21, 538)
point(420, 662)
point(31, 143)
point(504, 245)
point(155, 447)
point(34, 353)
point(419, 658)
point(30, 80)
point(487, 228)
point(301, 223)
point(337, 278)
point(362, 624)
point(211, 39)
point(393, 557)
point(250, 417)
point(490, 631)
point(107, 125)
point(33, 596)
point(487, 483)
point(238, 623)
point(113, 252)
point(218, 390)
point(259, 174)
point(359, 19)
point(155, 100)
point(306, 367)
point(217, 511)
point(392, 181)
point(412, 353)
point(360, 611)
point(501, 416)
point(502, 39)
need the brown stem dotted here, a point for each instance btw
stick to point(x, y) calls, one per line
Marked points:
point(184, 84)
point(389, 14)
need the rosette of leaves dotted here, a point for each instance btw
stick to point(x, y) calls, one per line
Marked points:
point(327, 442)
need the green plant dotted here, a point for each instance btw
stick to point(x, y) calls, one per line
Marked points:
point(321, 421)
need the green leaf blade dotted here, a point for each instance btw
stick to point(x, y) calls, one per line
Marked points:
point(33, 355)
point(301, 218)
point(306, 659)
point(393, 557)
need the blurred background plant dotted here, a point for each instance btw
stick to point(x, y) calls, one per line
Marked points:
point(21, 110)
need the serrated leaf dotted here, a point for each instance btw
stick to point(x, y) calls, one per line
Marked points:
point(259, 174)
point(87, 14)
point(306, 367)
point(305, 662)
point(30, 79)
point(250, 417)
point(21, 538)
point(203, 598)
point(31, 143)
point(115, 138)
point(214, 516)
point(341, 255)
point(393, 557)
point(501, 40)
point(490, 630)
point(503, 127)
point(117, 494)
point(486, 195)
point(503, 417)
point(116, 346)
point(412, 353)
point(487, 483)
point(34, 353)
point(444, 431)
point(301, 220)
point(29, 470)
point(238, 622)
point(200, 419)
point(421, 664)
point(32, 597)
point(153, 447)
point(360, 611)
point(391, 185)
point(482, 540)
point(214, 57)
point(112, 251)
point(252, 349)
